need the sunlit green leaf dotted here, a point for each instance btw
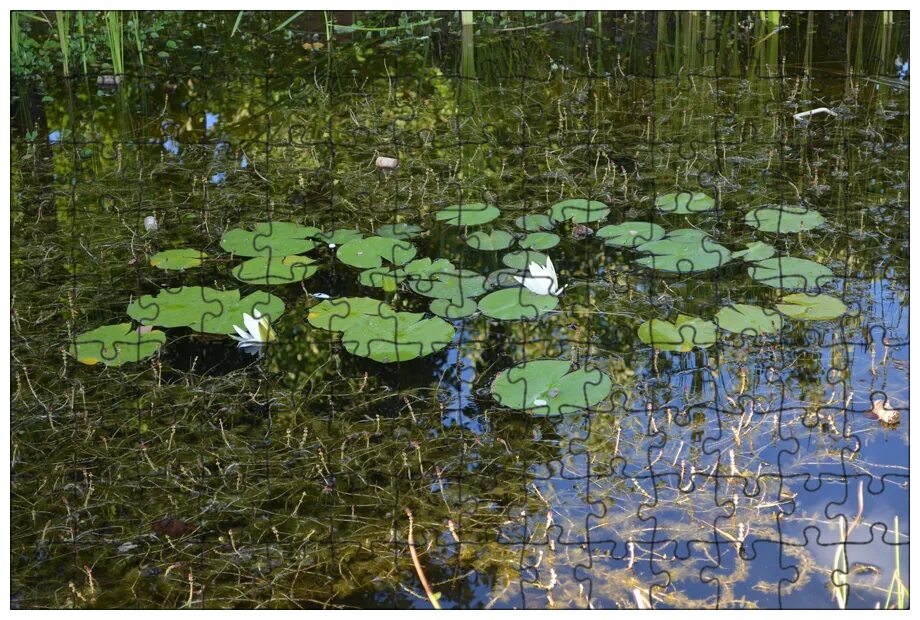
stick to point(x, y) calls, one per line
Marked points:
point(783, 219)
point(685, 203)
point(511, 304)
point(180, 259)
point(265, 271)
point(470, 214)
point(550, 387)
point(682, 335)
point(749, 320)
point(630, 234)
point(579, 210)
point(807, 307)
point(490, 241)
point(114, 345)
point(790, 273)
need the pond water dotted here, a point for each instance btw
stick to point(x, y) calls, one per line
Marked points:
point(711, 469)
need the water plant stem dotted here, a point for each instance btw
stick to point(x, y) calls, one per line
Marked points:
point(418, 565)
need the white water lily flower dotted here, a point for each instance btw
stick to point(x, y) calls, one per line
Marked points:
point(258, 332)
point(542, 279)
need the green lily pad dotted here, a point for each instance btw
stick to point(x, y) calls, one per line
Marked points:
point(371, 252)
point(202, 308)
point(267, 271)
point(389, 278)
point(683, 335)
point(456, 284)
point(340, 314)
point(790, 273)
point(267, 239)
point(286, 229)
point(184, 258)
point(630, 234)
point(338, 236)
point(685, 250)
point(539, 241)
point(521, 259)
point(758, 250)
point(490, 241)
point(397, 336)
point(783, 219)
point(114, 345)
point(512, 304)
point(750, 320)
point(550, 387)
point(579, 210)
point(399, 231)
point(453, 308)
point(502, 278)
point(532, 223)
point(469, 214)
point(684, 203)
point(807, 307)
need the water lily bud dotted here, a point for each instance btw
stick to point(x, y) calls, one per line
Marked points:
point(387, 164)
point(150, 223)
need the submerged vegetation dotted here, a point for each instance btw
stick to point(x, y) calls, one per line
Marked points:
point(473, 309)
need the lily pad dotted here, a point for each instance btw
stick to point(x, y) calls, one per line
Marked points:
point(389, 278)
point(579, 210)
point(453, 308)
point(790, 273)
point(268, 239)
point(758, 250)
point(807, 307)
point(683, 335)
point(371, 252)
point(783, 219)
point(286, 229)
point(490, 241)
point(630, 234)
point(341, 314)
point(202, 308)
point(535, 222)
point(469, 214)
point(502, 278)
point(539, 241)
point(750, 320)
point(267, 271)
point(550, 387)
point(684, 203)
point(338, 236)
point(512, 304)
point(171, 260)
point(685, 250)
point(399, 337)
point(114, 345)
point(399, 231)
point(456, 284)
point(522, 258)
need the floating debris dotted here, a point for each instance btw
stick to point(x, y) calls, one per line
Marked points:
point(150, 224)
point(885, 413)
point(582, 232)
point(808, 113)
point(387, 164)
point(109, 81)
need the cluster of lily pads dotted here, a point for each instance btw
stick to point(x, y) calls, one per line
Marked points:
point(275, 253)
